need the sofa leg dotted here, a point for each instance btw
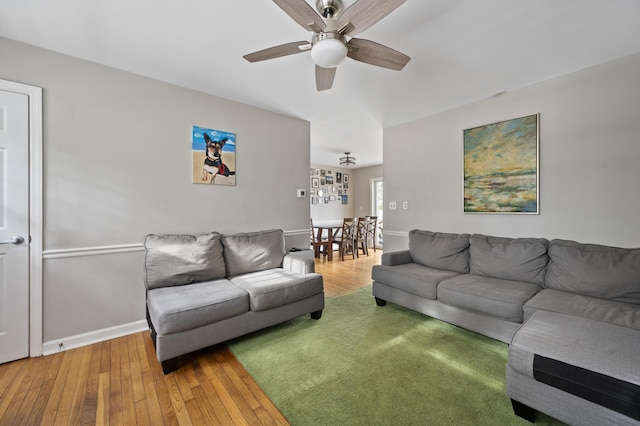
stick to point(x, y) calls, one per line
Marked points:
point(316, 315)
point(153, 336)
point(169, 365)
point(381, 302)
point(523, 411)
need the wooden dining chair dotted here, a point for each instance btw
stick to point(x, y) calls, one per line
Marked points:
point(372, 227)
point(346, 238)
point(317, 242)
point(361, 236)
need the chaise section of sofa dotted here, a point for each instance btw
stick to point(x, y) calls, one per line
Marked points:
point(206, 289)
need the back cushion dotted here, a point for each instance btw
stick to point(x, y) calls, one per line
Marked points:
point(255, 251)
point(517, 259)
point(182, 259)
point(594, 270)
point(439, 250)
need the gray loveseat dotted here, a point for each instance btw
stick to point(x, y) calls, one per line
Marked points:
point(206, 289)
point(569, 311)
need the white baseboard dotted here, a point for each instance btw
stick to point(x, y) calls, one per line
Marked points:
point(92, 337)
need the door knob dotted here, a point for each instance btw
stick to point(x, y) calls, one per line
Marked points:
point(16, 239)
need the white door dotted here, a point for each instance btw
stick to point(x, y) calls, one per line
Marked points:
point(377, 207)
point(14, 226)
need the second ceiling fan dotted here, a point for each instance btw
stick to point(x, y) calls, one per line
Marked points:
point(330, 45)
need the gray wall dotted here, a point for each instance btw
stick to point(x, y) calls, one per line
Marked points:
point(589, 162)
point(117, 165)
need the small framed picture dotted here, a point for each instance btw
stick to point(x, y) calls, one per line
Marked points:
point(345, 199)
point(338, 177)
point(322, 172)
point(329, 180)
point(314, 200)
point(332, 198)
point(315, 183)
point(345, 178)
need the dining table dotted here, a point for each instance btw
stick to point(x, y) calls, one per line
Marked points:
point(331, 227)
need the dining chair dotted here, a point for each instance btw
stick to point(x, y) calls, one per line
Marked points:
point(361, 236)
point(346, 238)
point(317, 242)
point(372, 225)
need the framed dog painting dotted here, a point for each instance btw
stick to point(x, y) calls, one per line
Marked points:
point(214, 156)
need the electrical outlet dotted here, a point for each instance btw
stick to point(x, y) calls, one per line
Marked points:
point(392, 205)
point(405, 205)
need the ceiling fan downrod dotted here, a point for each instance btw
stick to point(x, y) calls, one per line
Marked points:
point(328, 8)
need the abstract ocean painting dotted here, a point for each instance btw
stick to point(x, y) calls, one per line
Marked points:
point(501, 167)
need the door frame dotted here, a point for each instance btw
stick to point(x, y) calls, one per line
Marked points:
point(34, 95)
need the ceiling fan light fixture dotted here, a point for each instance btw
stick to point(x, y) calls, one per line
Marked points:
point(329, 49)
point(347, 160)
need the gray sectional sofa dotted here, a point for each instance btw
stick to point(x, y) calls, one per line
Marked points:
point(569, 311)
point(206, 289)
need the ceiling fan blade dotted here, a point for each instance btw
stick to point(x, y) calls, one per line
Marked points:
point(301, 12)
point(364, 13)
point(373, 53)
point(324, 77)
point(278, 51)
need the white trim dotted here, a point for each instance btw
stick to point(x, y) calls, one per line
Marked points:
point(97, 336)
point(34, 95)
point(91, 251)
point(296, 232)
point(120, 248)
point(396, 233)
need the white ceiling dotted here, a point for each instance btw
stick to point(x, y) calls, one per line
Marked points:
point(462, 51)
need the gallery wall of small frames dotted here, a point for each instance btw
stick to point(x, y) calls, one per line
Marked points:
point(329, 186)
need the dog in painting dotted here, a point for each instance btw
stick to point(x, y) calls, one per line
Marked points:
point(213, 165)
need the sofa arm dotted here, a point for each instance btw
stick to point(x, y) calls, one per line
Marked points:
point(300, 262)
point(396, 258)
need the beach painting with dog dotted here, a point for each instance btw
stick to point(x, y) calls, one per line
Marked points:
point(501, 167)
point(214, 156)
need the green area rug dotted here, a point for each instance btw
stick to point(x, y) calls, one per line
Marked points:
point(361, 364)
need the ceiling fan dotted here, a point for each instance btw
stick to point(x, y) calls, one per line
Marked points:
point(330, 45)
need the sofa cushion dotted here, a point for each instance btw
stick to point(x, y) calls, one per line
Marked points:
point(175, 309)
point(411, 277)
point(276, 287)
point(519, 259)
point(182, 259)
point(594, 270)
point(254, 251)
point(499, 298)
point(440, 250)
point(593, 308)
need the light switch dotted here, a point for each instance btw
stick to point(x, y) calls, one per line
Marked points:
point(405, 205)
point(392, 205)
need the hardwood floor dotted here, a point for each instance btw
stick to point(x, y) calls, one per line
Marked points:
point(120, 382)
